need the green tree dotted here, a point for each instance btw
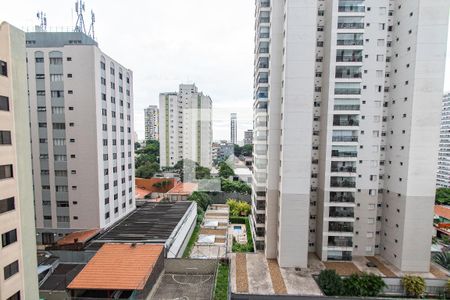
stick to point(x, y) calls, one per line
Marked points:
point(203, 200)
point(202, 173)
point(443, 196)
point(238, 208)
point(187, 166)
point(247, 150)
point(137, 145)
point(414, 286)
point(225, 171)
point(147, 170)
point(230, 186)
point(237, 150)
point(330, 283)
point(363, 285)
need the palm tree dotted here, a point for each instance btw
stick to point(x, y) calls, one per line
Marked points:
point(443, 259)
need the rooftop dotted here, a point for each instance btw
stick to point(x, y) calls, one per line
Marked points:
point(61, 277)
point(186, 188)
point(118, 267)
point(78, 237)
point(442, 211)
point(58, 39)
point(151, 223)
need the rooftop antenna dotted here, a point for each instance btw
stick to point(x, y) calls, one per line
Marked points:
point(91, 27)
point(79, 9)
point(42, 17)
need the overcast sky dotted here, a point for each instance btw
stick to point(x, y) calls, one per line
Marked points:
point(167, 42)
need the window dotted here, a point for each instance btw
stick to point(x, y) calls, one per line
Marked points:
point(107, 215)
point(11, 269)
point(40, 76)
point(9, 237)
point(56, 77)
point(60, 157)
point(59, 142)
point(40, 93)
point(57, 110)
point(56, 60)
point(39, 60)
point(16, 296)
point(57, 94)
point(3, 68)
point(59, 126)
point(6, 171)
point(5, 137)
point(62, 173)
point(63, 218)
point(7, 205)
point(4, 103)
point(61, 188)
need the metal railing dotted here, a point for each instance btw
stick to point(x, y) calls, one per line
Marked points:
point(345, 139)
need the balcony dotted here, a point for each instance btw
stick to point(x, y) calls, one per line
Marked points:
point(340, 226)
point(342, 197)
point(339, 255)
point(264, 19)
point(345, 120)
point(343, 182)
point(344, 153)
point(338, 167)
point(260, 204)
point(344, 25)
point(345, 139)
point(341, 212)
point(340, 241)
point(348, 72)
point(263, 50)
point(347, 91)
point(346, 107)
point(265, 3)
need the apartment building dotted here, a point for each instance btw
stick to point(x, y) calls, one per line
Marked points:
point(248, 137)
point(346, 153)
point(81, 115)
point(18, 276)
point(233, 128)
point(443, 174)
point(151, 122)
point(185, 126)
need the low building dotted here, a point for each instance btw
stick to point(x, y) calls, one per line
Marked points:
point(153, 188)
point(120, 271)
point(182, 191)
point(248, 137)
point(441, 221)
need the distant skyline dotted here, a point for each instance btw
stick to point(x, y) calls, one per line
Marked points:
point(170, 42)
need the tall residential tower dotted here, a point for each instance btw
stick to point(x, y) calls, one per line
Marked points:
point(443, 175)
point(151, 122)
point(185, 127)
point(233, 128)
point(81, 111)
point(346, 152)
point(18, 273)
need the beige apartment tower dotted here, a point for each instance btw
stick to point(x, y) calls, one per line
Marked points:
point(346, 152)
point(18, 266)
point(82, 134)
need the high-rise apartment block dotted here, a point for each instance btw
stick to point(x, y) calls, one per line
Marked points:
point(346, 153)
point(185, 126)
point(81, 113)
point(248, 137)
point(151, 122)
point(233, 128)
point(443, 175)
point(18, 276)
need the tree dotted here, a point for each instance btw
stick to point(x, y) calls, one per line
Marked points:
point(330, 283)
point(225, 171)
point(202, 173)
point(186, 166)
point(443, 196)
point(203, 200)
point(147, 154)
point(414, 286)
point(238, 208)
point(147, 170)
point(229, 186)
point(247, 150)
point(137, 145)
point(237, 150)
point(363, 285)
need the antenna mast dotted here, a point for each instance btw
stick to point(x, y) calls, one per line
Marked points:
point(79, 9)
point(42, 17)
point(91, 28)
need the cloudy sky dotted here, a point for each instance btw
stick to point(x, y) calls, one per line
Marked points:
point(167, 42)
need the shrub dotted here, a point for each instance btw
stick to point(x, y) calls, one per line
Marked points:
point(238, 208)
point(414, 286)
point(330, 283)
point(443, 259)
point(363, 285)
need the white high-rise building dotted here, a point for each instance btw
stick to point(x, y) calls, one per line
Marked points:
point(248, 137)
point(185, 126)
point(346, 152)
point(81, 114)
point(18, 279)
point(233, 128)
point(151, 122)
point(443, 175)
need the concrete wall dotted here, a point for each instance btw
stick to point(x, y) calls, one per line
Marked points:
point(180, 236)
point(190, 266)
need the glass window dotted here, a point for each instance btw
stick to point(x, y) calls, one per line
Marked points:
point(4, 103)
point(9, 237)
point(3, 68)
point(5, 137)
point(11, 269)
point(6, 171)
point(7, 205)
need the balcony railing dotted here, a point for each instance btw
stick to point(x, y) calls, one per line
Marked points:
point(347, 91)
point(348, 58)
point(346, 107)
point(350, 42)
point(342, 214)
point(341, 243)
point(351, 122)
point(342, 199)
point(348, 75)
point(340, 227)
point(264, 20)
point(350, 169)
point(351, 8)
point(351, 25)
point(345, 139)
point(265, 3)
point(263, 50)
point(343, 183)
point(337, 153)
point(264, 35)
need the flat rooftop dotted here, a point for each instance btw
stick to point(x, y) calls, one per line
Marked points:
point(119, 267)
point(150, 223)
point(186, 188)
point(61, 277)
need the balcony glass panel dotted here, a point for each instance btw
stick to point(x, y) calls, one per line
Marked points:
point(345, 120)
point(348, 72)
point(344, 182)
point(344, 151)
point(263, 47)
point(265, 3)
point(263, 62)
point(343, 55)
point(340, 226)
point(351, 22)
point(347, 88)
point(341, 212)
point(342, 197)
point(346, 104)
point(345, 136)
point(351, 6)
point(350, 39)
point(339, 255)
point(264, 32)
point(263, 77)
point(262, 92)
point(340, 241)
point(343, 166)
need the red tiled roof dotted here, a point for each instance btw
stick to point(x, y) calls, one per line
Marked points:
point(78, 237)
point(118, 267)
point(141, 193)
point(184, 188)
point(442, 211)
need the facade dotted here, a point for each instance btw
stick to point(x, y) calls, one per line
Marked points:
point(185, 127)
point(248, 137)
point(443, 175)
point(346, 154)
point(151, 122)
point(233, 128)
point(18, 279)
point(81, 114)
